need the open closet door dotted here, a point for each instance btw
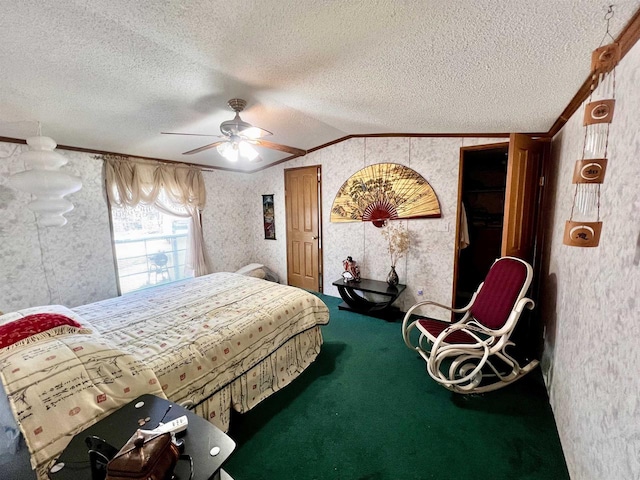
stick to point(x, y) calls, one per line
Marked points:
point(524, 179)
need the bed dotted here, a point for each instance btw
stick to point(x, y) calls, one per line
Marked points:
point(212, 343)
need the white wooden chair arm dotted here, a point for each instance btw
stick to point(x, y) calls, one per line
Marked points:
point(435, 304)
point(470, 328)
point(473, 325)
point(524, 303)
point(407, 325)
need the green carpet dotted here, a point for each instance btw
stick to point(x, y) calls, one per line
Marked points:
point(366, 409)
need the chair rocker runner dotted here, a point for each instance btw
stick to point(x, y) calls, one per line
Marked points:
point(469, 355)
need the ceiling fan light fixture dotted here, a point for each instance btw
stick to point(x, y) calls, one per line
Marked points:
point(247, 151)
point(228, 150)
point(235, 149)
point(240, 138)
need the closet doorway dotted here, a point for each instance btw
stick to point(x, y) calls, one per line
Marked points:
point(483, 181)
point(501, 187)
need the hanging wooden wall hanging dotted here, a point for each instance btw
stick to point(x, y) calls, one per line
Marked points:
point(384, 191)
point(589, 172)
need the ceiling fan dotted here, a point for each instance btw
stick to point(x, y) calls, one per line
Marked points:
point(239, 137)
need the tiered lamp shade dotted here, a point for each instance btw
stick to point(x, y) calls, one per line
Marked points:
point(44, 180)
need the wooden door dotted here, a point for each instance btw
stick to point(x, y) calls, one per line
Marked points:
point(524, 173)
point(302, 199)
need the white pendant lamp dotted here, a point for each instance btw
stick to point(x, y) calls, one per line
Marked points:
point(44, 180)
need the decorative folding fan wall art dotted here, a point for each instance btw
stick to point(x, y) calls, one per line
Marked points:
point(581, 230)
point(384, 191)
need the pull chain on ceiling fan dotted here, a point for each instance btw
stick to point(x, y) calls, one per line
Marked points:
point(239, 138)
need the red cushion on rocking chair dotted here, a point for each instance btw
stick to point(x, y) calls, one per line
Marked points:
point(436, 327)
point(498, 295)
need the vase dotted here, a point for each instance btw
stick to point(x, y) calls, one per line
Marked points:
point(392, 278)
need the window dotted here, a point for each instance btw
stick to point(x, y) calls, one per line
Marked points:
point(156, 215)
point(150, 247)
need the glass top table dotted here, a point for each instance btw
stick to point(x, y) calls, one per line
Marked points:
point(356, 300)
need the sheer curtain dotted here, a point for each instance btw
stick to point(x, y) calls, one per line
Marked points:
point(174, 189)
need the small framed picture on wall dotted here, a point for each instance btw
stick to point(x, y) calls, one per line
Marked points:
point(268, 215)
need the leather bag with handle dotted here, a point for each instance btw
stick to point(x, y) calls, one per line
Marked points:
point(146, 456)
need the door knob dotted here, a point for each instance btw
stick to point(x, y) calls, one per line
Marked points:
point(315, 237)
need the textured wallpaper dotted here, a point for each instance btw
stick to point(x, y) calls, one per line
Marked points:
point(226, 225)
point(69, 265)
point(429, 262)
point(591, 302)
point(73, 265)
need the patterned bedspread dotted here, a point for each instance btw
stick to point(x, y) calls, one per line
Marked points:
point(186, 340)
point(60, 385)
point(200, 334)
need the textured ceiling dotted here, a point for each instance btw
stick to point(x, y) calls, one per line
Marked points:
point(111, 75)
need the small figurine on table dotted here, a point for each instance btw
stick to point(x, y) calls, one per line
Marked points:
point(351, 270)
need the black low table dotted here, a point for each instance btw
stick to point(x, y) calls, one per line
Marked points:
point(357, 303)
point(199, 439)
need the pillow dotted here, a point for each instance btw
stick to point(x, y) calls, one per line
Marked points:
point(36, 327)
point(248, 268)
point(257, 273)
point(258, 270)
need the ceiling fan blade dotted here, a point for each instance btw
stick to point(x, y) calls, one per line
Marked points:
point(206, 147)
point(254, 133)
point(192, 134)
point(281, 148)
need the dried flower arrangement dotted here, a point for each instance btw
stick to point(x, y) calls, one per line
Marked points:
point(397, 236)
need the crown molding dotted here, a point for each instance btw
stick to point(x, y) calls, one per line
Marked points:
point(628, 37)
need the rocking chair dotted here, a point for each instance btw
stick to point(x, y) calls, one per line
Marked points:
point(469, 355)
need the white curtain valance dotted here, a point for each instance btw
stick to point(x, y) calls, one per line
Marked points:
point(130, 182)
point(174, 189)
